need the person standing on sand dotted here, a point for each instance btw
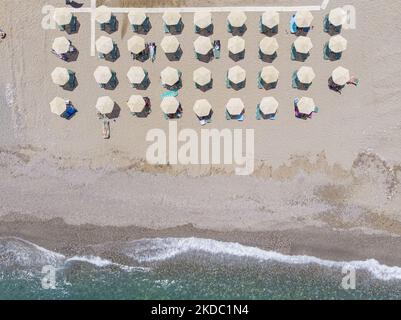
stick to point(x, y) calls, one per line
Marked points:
point(2, 34)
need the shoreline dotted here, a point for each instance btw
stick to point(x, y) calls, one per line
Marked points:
point(323, 243)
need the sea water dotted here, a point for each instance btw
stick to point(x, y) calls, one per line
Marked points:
point(186, 268)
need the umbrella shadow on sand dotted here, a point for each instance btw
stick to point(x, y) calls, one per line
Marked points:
point(115, 113)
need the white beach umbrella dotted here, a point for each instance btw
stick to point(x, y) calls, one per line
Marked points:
point(337, 17)
point(341, 76)
point(338, 44)
point(203, 45)
point(136, 44)
point(303, 44)
point(303, 19)
point(170, 44)
point(171, 18)
point(61, 45)
point(202, 19)
point(202, 76)
point(306, 105)
point(268, 46)
point(62, 16)
point(170, 105)
point(136, 103)
point(306, 75)
point(270, 74)
point(236, 45)
point(104, 45)
point(103, 14)
point(60, 76)
point(270, 19)
point(236, 74)
point(202, 108)
point(235, 106)
point(170, 76)
point(136, 75)
point(102, 75)
point(137, 17)
point(268, 105)
point(58, 106)
point(105, 105)
point(237, 19)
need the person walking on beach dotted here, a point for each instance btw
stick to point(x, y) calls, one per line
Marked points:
point(152, 51)
point(2, 34)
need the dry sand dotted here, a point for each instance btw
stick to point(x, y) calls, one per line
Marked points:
point(346, 177)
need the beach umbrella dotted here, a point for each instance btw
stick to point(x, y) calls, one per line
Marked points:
point(306, 75)
point(136, 103)
point(105, 105)
point(60, 76)
point(306, 105)
point(337, 17)
point(237, 19)
point(62, 16)
point(202, 108)
point(170, 44)
point(270, 19)
point(61, 45)
point(235, 106)
point(236, 74)
point(303, 19)
point(58, 106)
point(104, 45)
point(338, 44)
point(171, 18)
point(202, 19)
point(268, 105)
point(136, 17)
point(136, 44)
point(103, 14)
point(203, 45)
point(202, 76)
point(236, 45)
point(170, 105)
point(102, 75)
point(268, 46)
point(341, 76)
point(136, 75)
point(303, 44)
point(170, 76)
point(269, 74)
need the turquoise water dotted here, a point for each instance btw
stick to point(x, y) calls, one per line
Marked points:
point(163, 270)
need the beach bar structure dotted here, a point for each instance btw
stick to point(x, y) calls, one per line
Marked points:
point(203, 22)
point(171, 47)
point(236, 22)
point(139, 21)
point(172, 22)
point(236, 48)
point(269, 22)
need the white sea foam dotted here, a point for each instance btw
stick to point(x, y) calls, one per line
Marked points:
point(148, 250)
point(101, 263)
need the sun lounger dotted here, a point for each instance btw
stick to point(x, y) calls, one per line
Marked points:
point(73, 24)
point(295, 81)
point(106, 129)
point(258, 113)
point(260, 84)
point(228, 115)
point(241, 118)
point(293, 25)
point(170, 93)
